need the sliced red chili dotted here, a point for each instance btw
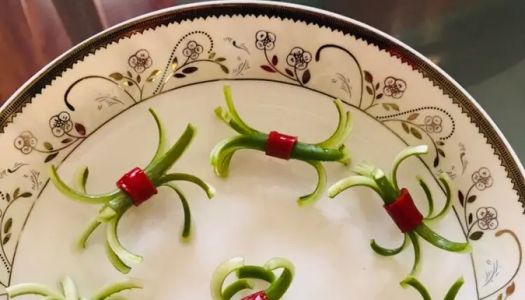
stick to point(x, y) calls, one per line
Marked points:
point(404, 212)
point(137, 185)
point(257, 296)
point(280, 145)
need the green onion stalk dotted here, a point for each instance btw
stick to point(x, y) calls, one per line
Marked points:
point(331, 149)
point(389, 191)
point(244, 277)
point(117, 202)
point(67, 290)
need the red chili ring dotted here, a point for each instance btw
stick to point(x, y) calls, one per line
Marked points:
point(137, 185)
point(404, 212)
point(280, 145)
point(257, 296)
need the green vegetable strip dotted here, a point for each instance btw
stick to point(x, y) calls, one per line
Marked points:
point(115, 288)
point(186, 230)
point(445, 180)
point(335, 139)
point(416, 284)
point(115, 260)
point(31, 289)
point(235, 287)
point(93, 224)
point(163, 140)
point(111, 235)
point(210, 191)
point(69, 289)
point(255, 272)
point(386, 251)
point(428, 194)
point(387, 190)
point(277, 289)
point(235, 116)
point(303, 151)
point(220, 275)
point(350, 182)
point(165, 162)
point(321, 184)
point(227, 118)
point(79, 196)
point(454, 289)
point(439, 241)
point(418, 150)
point(417, 253)
point(222, 152)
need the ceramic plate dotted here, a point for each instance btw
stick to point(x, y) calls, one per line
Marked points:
point(285, 64)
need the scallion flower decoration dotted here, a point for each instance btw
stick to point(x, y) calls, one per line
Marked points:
point(280, 145)
point(134, 188)
point(68, 290)
point(245, 274)
point(400, 206)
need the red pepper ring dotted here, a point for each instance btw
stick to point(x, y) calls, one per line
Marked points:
point(404, 212)
point(257, 296)
point(280, 145)
point(137, 185)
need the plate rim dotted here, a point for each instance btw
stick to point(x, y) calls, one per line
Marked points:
point(15, 104)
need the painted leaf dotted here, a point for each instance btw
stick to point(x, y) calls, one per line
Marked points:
point(379, 96)
point(220, 59)
point(8, 224)
point(6, 239)
point(139, 79)
point(80, 129)
point(175, 60)
point(369, 90)
point(377, 86)
point(500, 297)
point(386, 107)
point(368, 77)
point(405, 127)
point(510, 289)
point(152, 76)
point(275, 60)
point(470, 218)
point(436, 161)
point(306, 76)
point(116, 76)
point(212, 55)
point(225, 69)
point(476, 235)
point(268, 68)
point(7, 197)
point(50, 157)
point(441, 152)
point(440, 143)
point(189, 70)
point(66, 141)
point(394, 106)
point(461, 198)
point(289, 72)
point(129, 74)
point(179, 75)
point(413, 116)
point(472, 198)
point(26, 195)
point(48, 146)
point(16, 193)
point(415, 132)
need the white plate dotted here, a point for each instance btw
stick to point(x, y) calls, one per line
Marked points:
point(397, 98)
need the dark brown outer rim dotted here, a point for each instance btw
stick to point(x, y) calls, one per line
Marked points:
point(9, 110)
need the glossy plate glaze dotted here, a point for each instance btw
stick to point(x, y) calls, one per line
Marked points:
point(285, 64)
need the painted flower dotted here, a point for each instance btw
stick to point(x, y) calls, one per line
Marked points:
point(433, 124)
point(482, 179)
point(25, 142)
point(487, 218)
point(60, 124)
point(298, 58)
point(265, 40)
point(394, 87)
point(192, 50)
point(140, 61)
